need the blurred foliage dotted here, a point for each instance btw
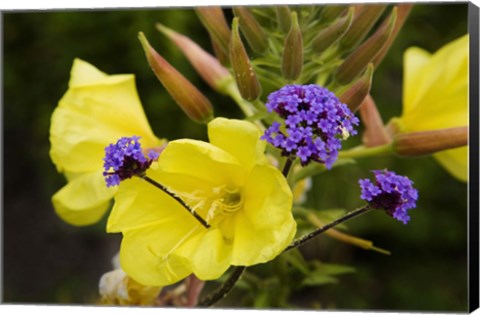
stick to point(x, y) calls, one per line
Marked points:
point(48, 261)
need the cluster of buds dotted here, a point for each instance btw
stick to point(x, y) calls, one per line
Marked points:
point(265, 48)
point(334, 46)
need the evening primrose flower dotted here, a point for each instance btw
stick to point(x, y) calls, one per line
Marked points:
point(96, 110)
point(245, 201)
point(435, 96)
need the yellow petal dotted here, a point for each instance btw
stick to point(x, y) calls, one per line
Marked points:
point(267, 198)
point(84, 200)
point(436, 90)
point(253, 246)
point(84, 73)
point(239, 138)
point(139, 204)
point(208, 253)
point(201, 160)
point(92, 115)
point(455, 162)
point(436, 96)
point(414, 60)
point(147, 256)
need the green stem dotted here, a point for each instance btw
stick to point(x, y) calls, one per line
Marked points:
point(178, 199)
point(224, 289)
point(316, 168)
point(302, 240)
point(362, 151)
point(245, 106)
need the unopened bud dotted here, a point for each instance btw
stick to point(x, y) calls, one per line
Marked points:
point(221, 55)
point(331, 12)
point(247, 81)
point(357, 92)
point(214, 21)
point(284, 19)
point(253, 32)
point(292, 61)
point(403, 11)
point(428, 142)
point(362, 23)
point(206, 65)
point(187, 96)
point(331, 34)
point(375, 133)
point(359, 59)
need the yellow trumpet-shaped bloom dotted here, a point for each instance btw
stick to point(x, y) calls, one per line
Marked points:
point(96, 110)
point(229, 183)
point(435, 96)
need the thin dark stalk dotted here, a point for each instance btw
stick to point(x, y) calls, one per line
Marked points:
point(287, 166)
point(224, 289)
point(178, 199)
point(302, 240)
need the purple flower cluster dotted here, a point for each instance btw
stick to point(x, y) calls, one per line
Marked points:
point(392, 192)
point(127, 160)
point(315, 123)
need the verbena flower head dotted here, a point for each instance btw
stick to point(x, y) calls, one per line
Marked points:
point(391, 192)
point(228, 182)
point(315, 123)
point(126, 159)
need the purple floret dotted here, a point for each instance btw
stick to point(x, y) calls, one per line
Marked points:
point(125, 159)
point(391, 192)
point(315, 121)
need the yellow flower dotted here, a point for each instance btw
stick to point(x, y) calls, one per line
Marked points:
point(435, 96)
point(96, 110)
point(117, 288)
point(229, 183)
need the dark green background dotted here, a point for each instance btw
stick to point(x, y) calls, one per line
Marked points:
point(48, 261)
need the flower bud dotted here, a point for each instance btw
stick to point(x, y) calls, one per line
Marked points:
point(253, 32)
point(214, 21)
point(403, 11)
point(206, 65)
point(221, 55)
point(357, 92)
point(332, 33)
point(245, 76)
point(187, 96)
point(284, 19)
point(356, 62)
point(331, 12)
point(292, 61)
point(375, 133)
point(428, 142)
point(362, 23)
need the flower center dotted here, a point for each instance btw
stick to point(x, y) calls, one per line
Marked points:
point(216, 205)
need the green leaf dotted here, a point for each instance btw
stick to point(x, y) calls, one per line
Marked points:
point(318, 279)
point(331, 269)
point(324, 273)
point(261, 300)
point(295, 258)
